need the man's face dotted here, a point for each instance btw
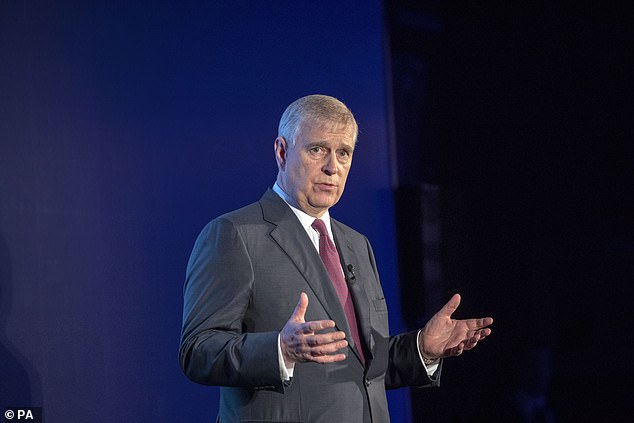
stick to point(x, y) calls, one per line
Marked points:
point(313, 172)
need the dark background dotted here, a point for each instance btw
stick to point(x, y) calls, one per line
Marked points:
point(521, 115)
point(495, 160)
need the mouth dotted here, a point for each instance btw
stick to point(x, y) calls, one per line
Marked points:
point(326, 186)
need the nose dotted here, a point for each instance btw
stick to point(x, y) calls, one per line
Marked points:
point(330, 166)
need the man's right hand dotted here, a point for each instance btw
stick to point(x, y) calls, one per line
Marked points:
point(301, 343)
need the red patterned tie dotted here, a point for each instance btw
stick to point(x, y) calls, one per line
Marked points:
point(330, 257)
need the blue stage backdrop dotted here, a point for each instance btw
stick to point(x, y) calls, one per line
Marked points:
point(124, 128)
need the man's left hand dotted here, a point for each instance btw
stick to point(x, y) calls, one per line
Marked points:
point(443, 336)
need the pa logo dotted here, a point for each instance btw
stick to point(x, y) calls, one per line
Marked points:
point(19, 414)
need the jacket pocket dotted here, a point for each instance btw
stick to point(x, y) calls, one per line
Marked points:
point(380, 305)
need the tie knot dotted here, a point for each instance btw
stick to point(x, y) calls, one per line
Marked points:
point(320, 227)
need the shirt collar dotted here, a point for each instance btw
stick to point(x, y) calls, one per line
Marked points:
point(304, 218)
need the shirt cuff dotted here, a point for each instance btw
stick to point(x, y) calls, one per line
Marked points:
point(286, 373)
point(430, 368)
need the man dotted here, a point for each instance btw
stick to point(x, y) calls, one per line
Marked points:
point(283, 306)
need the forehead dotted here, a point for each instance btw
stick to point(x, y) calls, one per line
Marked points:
point(326, 131)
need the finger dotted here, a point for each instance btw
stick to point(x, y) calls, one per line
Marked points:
point(481, 333)
point(454, 351)
point(476, 324)
point(324, 339)
point(320, 353)
point(459, 348)
point(329, 348)
point(300, 309)
point(477, 337)
point(332, 358)
point(470, 346)
point(472, 342)
point(328, 353)
point(483, 322)
point(315, 326)
point(484, 333)
point(451, 306)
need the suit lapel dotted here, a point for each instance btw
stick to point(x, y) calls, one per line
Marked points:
point(289, 234)
point(355, 285)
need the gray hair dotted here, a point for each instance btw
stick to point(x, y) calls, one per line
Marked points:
point(315, 109)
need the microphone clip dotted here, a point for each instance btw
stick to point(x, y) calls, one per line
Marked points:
point(351, 275)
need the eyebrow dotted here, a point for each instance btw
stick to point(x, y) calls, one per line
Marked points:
point(325, 144)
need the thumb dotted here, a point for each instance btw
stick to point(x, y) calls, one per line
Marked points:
point(300, 309)
point(451, 306)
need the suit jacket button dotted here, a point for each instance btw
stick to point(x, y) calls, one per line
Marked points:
point(367, 382)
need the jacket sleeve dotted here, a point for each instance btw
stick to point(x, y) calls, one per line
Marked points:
point(214, 348)
point(400, 356)
point(404, 365)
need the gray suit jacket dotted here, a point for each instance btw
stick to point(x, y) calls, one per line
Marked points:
point(244, 278)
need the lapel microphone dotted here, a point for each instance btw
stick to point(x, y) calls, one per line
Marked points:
point(351, 276)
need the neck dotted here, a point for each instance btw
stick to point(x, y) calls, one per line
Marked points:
point(283, 192)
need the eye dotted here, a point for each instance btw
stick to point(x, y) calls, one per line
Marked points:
point(344, 155)
point(317, 151)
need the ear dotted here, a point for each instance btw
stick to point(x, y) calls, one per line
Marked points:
point(281, 151)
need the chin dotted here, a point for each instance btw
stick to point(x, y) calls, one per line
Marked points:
point(329, 201)
point(324, 205)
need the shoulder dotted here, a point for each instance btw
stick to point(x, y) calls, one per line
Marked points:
point(230, 230)
point(350, 234)
point(270, 208)
point(246, 214)
point(233, 222)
